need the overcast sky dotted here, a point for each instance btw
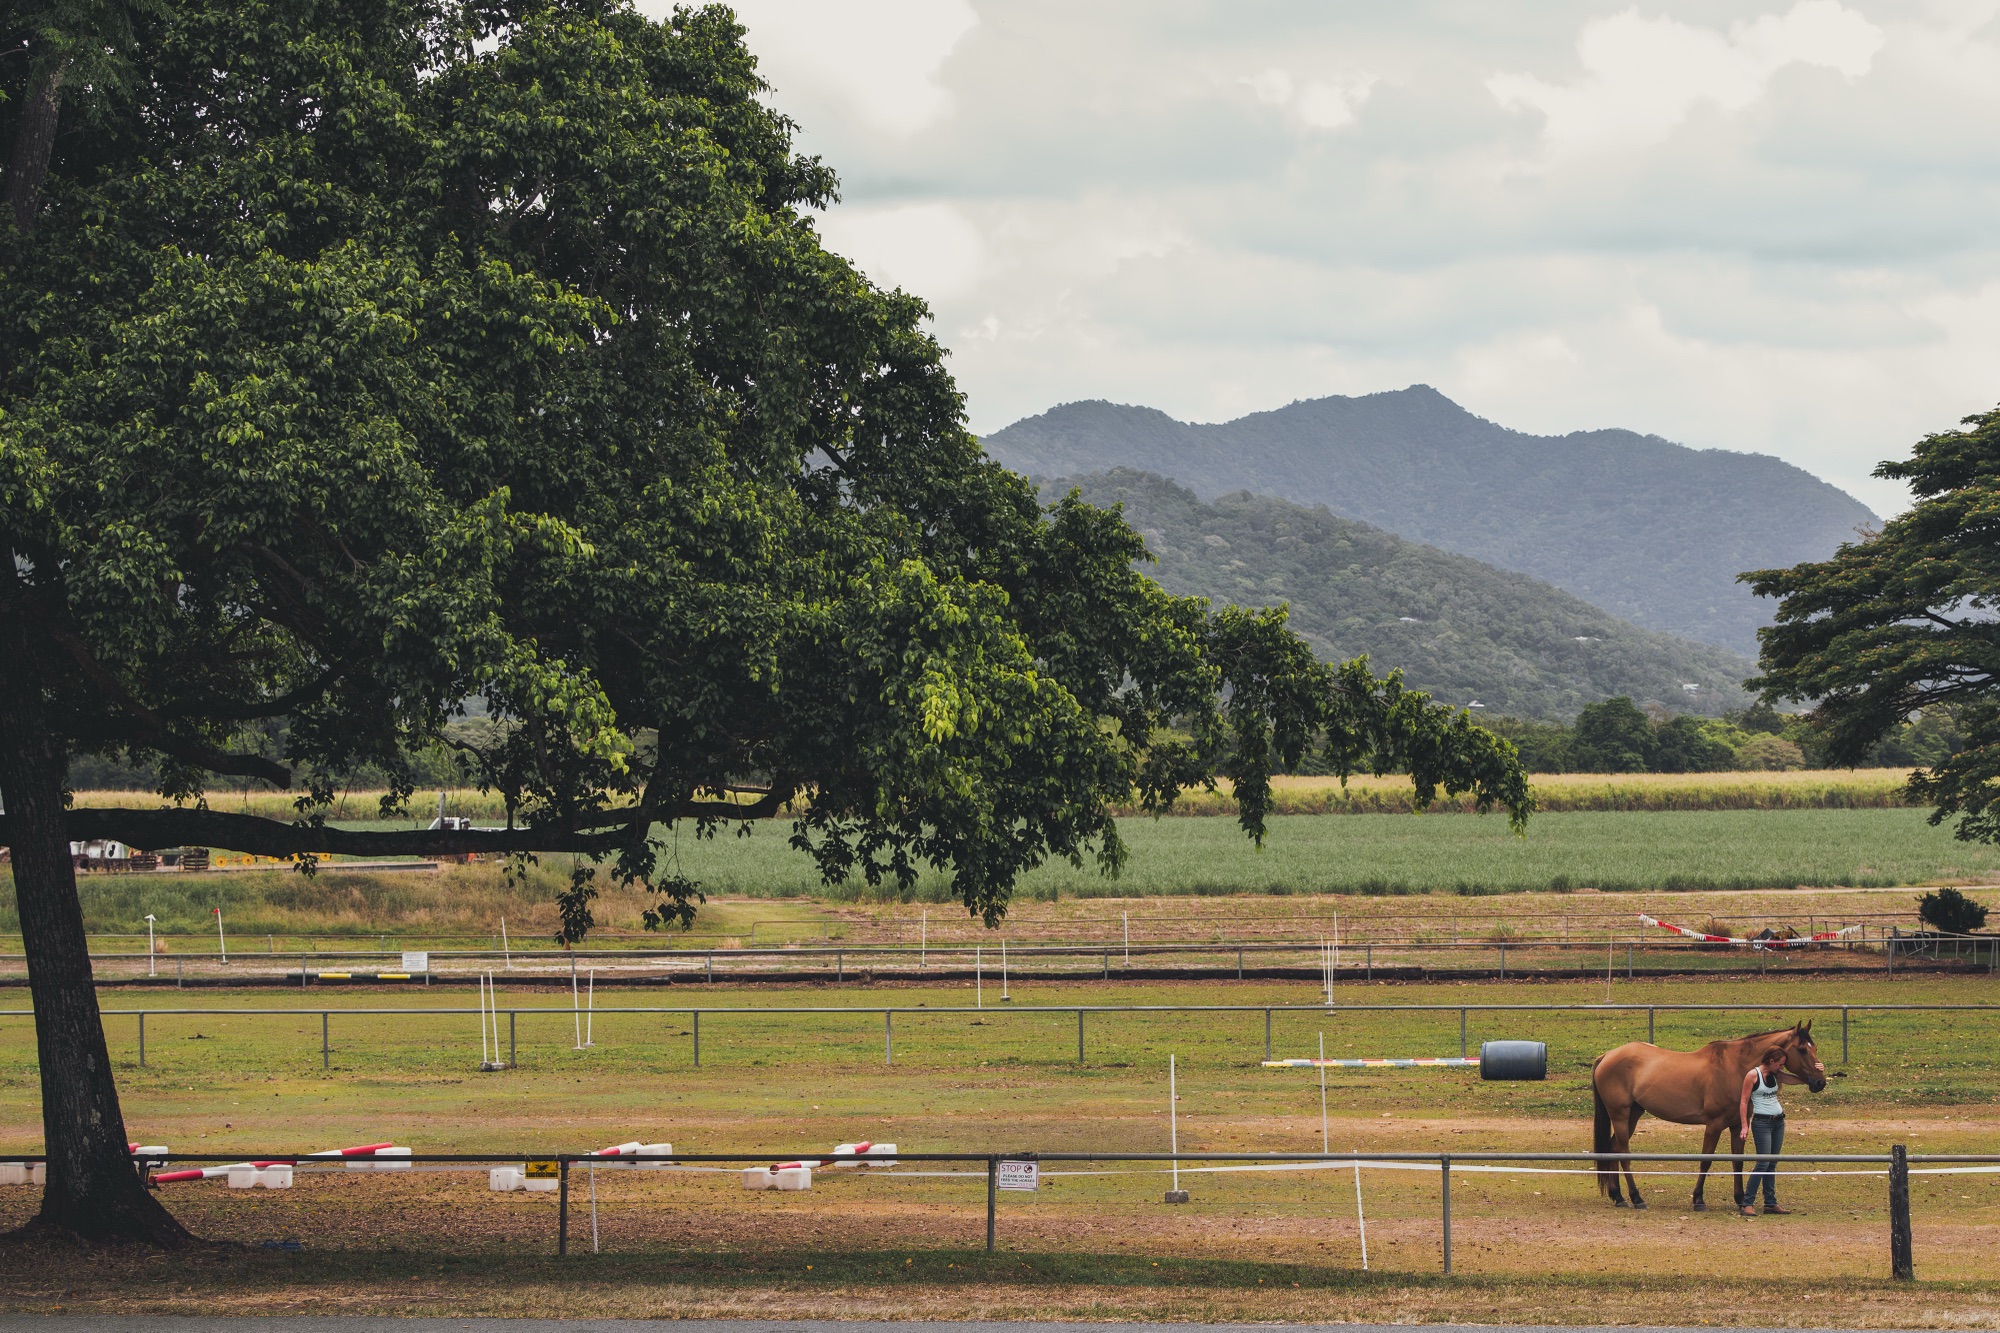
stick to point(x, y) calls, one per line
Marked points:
point(1762, 225)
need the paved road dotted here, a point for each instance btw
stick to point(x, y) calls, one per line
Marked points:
point(389, 1323)
point(88, 1323)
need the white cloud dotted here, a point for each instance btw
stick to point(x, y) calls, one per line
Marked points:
point(1789, 244)
point(1320, 104)
point(932, 250)
point(1643, 76)
point(877, 59)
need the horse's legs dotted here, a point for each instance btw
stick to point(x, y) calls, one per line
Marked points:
point(1736, 1138)
point(1708, 1138)
point(1621, 1138)
point(1631, 1124)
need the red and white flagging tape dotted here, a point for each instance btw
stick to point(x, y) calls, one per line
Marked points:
point(1796, 942)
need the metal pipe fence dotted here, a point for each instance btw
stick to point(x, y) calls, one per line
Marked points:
point(1897, 1165)
point(1629, 957)
point(1081, 1012)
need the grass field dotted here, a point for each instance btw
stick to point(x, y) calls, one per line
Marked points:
point(1305, 857)
point(1004, 1080)
point(1250, 1246)
point(1831, 788)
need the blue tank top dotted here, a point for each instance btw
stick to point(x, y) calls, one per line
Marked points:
point(1764, 1096)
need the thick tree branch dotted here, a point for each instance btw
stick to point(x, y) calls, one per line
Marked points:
point(275, 837)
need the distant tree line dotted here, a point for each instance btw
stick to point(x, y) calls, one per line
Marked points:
point(1617, 736)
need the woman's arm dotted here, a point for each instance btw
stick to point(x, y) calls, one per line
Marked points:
point(1743, 1105)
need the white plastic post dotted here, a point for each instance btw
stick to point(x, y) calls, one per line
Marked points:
point(152, 958)
point(1174, 1119)
point(1322, 1094)
point(979, 976)
point(1126, 917)
point(221, 944)
point(590, 1017)
point(484, 1059)
point(505, 952)
point(1360, 1218)
point(575, 1003)
point(1003, 969)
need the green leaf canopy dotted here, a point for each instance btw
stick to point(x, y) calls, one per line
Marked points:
point(384, 354)
point(1904, 620)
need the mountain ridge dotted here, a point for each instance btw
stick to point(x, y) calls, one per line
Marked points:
point(1460, 629)
point(1652, 531)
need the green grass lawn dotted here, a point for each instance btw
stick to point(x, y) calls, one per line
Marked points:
point(1005, 1079)
point(1622, 850)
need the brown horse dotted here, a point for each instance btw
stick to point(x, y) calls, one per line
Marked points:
point(1703, 1087)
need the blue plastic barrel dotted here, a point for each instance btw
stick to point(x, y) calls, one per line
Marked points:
point(1514, 1060)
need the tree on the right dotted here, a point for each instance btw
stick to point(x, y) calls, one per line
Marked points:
point(1903, 620)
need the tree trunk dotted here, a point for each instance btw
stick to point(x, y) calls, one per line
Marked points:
point(34, 141)
point(93, 1193)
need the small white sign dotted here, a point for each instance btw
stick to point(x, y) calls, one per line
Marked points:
point(417, 962)
point(1019, 1175)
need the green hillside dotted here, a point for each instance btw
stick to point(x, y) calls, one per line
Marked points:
point(1650, 531)
point(1460, 629)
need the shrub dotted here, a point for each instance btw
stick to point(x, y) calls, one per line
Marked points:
point(1950, 911)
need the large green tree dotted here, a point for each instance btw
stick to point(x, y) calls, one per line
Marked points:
point(359, 358)
point(1907, 621)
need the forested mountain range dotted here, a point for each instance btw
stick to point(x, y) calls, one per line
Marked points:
point(1459, 628)
point(1651, 531)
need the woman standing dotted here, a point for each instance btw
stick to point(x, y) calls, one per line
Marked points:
point(1761, 1114)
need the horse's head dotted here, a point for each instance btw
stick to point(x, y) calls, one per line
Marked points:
point(1802, 1057)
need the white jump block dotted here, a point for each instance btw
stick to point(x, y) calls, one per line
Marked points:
point(540, 1186)
point(505, 1179)
point(759, 1178)
point(792, 1178)
point(245, 1176)
point(13, 1173)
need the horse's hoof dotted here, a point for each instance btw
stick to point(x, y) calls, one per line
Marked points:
point(1698, 1206)
point(1618, 1203)
point(1638, 1203)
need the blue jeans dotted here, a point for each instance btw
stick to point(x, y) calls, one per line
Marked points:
point(1767, 1133)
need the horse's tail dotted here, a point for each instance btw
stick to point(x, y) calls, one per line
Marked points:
point(1600, 1139)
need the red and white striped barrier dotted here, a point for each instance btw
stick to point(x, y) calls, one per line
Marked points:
point(798, 1175)
point(277, 1174)
point(634, 1148)
point(1795, 942)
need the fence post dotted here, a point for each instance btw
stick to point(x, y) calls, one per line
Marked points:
point(325, 1041)
point(1843, 1034)
point(1649, 1025)
point(1444, 1176)
point(180, 982)
point(1628, 962)
point(1079, 1036)
point(512, 1014)
point(1371, 962)
point(1239, 962)
point(142, 1039)
point(840, 965)
point(1107, 963)
point(1900, 1265)
point(697, 1039)
point(888, 1038)
point(711, 969)
point(1503, 960)
point(562, 1206)
point(992, 1187)
point(1267, 1034)
point(1461, 1055)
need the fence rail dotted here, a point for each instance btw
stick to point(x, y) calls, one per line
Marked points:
point(1633, 955)
point(1898, 1162)
point(1081, 1012)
